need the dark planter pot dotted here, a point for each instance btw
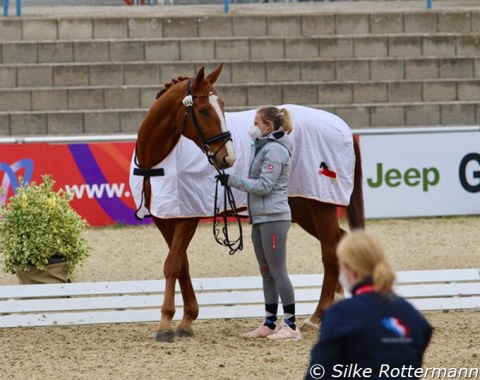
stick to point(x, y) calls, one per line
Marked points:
point(56, 273)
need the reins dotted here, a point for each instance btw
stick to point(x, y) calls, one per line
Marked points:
point(228, 199)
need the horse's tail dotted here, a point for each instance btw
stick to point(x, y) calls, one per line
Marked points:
point(355, 210)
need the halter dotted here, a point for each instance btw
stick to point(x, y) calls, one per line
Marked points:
point(223, 137)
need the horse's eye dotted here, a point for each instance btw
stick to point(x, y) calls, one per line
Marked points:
point(204, 111)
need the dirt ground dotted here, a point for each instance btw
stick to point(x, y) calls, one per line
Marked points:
point(129, 351)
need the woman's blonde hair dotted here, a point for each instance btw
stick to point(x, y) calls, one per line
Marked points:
point(364, 254)
point(278, 117)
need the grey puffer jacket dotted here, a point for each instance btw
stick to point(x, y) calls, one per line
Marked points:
point(269, 172)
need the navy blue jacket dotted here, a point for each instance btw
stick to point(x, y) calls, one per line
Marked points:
point(373, 331)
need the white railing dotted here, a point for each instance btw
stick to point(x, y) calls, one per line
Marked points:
point(228, 297)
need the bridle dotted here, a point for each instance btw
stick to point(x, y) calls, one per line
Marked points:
point(228, 200)
point(206, 143)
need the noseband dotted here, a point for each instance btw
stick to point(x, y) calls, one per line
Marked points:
point(224, 136)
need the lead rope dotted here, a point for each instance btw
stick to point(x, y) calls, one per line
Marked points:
point(228, 200)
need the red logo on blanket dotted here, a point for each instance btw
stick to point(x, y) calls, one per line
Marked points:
point(270, 168)
point(324, 170)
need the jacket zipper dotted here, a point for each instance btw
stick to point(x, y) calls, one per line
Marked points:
point(248, 194)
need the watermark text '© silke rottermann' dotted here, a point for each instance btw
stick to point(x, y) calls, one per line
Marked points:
point(354, 371)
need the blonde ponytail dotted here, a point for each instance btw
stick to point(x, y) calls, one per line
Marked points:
point(286, 120)
point(383, 277)
point(280, 118)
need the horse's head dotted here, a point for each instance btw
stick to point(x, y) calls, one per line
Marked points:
point(204, 119)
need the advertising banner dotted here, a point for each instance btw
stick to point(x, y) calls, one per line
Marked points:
point(96, 174)
point(407, 173)
point(421, 174)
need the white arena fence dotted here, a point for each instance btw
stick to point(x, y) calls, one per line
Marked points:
point(227, 297)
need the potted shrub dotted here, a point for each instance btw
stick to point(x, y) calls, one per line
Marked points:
point(41, 235)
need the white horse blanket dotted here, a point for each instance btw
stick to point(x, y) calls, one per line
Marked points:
point(322, 166)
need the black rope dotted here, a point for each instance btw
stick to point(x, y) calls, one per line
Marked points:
point(228, 202)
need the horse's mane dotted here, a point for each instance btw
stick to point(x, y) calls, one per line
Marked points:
point(168, 85)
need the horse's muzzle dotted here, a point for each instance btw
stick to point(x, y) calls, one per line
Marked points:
point(228, 161)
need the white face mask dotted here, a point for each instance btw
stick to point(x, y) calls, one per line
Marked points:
point(344, 282)
point(254, 132)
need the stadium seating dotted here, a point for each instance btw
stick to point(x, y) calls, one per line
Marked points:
point(78, 74)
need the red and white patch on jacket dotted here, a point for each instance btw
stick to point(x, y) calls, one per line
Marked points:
point(270, 168)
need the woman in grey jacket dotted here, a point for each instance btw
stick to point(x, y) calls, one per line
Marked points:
point(270, 216)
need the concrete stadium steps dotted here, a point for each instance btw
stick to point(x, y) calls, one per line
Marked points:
point(367, 22)
point(242, 48)
point(100, 74)
point(355, 93)
point(250, 71)
point(70, 122)
point(252, 95)
point(128, 120)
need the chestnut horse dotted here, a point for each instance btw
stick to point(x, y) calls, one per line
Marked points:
point(191, 107)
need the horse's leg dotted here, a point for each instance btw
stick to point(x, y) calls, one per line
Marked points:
point(320, 220)
point(302, 215)
point(178, 233)
point(324, 217)
point(190, 305)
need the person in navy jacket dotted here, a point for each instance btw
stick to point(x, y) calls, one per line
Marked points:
point(375, 334)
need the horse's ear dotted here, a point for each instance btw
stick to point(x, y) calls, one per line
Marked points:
point(213, 76)
point(200, 76)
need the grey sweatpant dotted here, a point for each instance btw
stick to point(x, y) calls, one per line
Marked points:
point(270, 245)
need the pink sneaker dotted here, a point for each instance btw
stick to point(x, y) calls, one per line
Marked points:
point(261, 332)
point(286, 333)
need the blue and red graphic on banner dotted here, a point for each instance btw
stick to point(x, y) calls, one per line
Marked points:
point(96, 174)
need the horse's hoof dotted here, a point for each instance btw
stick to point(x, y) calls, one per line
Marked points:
point(182, 333)
point(308, 325)
point(165, 336)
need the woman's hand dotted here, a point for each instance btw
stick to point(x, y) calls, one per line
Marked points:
point(223, 178)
